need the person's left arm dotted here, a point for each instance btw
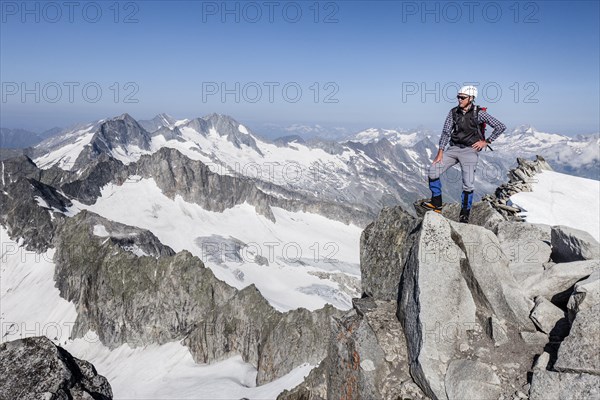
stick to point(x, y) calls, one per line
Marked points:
point(498, 126)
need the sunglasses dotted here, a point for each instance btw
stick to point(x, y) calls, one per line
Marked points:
point(462, 97)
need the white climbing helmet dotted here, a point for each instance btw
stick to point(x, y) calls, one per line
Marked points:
point(469, 91)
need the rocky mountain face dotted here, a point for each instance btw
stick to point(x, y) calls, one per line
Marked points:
point(176, 174)
point(25, 186)
point(38, 369)
point(130, 288)
point(160, 121)
point(496, 309)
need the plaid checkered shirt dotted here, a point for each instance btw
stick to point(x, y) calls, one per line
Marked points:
point(483, 116)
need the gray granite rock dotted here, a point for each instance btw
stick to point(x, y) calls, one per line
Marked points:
point(585, 294)
point(384, 245)
point(491, 283)
point(433, 272)
point(580, 351)
point(549, 318)
point(472, 380)
point(558, 278)
point(527, 247)
point(570, 244)
point(548, 385)
point(35, 368)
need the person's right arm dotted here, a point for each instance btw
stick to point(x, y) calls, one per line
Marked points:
point(444, 138)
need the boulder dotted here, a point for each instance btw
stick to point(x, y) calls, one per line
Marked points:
point(559, 278)
point(549, 385)
point(383, 248)
point(434, 328)
point(580, 351)
point(527, 247)
point(585, 294)
point(472, 380)
point(570, 244)
point(35, 368)
point(549, 318)
point(455, 286)
point(486, 271)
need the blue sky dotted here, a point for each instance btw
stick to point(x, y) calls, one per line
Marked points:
point(358, 64)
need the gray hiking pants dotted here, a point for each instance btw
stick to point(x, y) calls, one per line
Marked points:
point(467, 157)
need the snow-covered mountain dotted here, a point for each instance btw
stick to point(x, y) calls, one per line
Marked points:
point(324, 170)
point(160, 121)
point(396, 137)
point(373, 168)
point(248, 264)
point(307, 131)
point(579, 156)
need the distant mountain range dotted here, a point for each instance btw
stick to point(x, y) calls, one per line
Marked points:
point(21, 138)
point(374, 167)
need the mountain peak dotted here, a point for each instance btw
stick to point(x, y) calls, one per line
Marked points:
point(524, 129)
point(394, 136)
point(216, 118)
point(124, 117)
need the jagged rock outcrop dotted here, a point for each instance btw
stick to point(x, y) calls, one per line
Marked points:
point(520, 180)
point(576, 372)
point(28, 204)
point(586, 293)
point(477, 304)
point(570, 244)
point(384, 246)
point(451, 289)
point(35, 368)
point(556, 281)
point(176, 174)
point(527, 247)
point(482, 214)
point(578, 353)
point(140, 292)
point(365, 358)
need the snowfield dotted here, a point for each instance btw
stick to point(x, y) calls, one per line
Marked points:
point(560, 199)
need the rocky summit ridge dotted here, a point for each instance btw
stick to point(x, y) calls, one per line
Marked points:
point(496, 309)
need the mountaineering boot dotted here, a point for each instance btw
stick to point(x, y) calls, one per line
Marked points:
point(434, 204)
point(465, 210)
point(464, 216)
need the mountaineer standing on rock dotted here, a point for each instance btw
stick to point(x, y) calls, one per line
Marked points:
point(464, 130)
